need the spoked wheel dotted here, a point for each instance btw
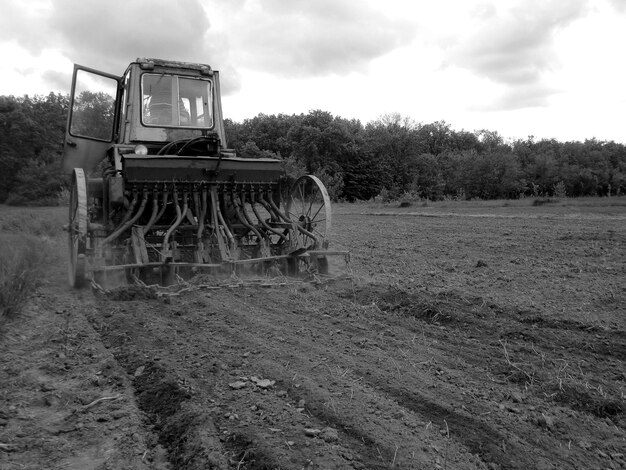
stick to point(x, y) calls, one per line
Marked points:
point(309, 207)
point(77, 229)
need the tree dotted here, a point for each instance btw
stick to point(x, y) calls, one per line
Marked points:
point(494, 175)
point(31, 136)
point(490, 141)
point(392, 141)
point(427, 179)
point(250, 150)
point(361, 177)
point(434, 138)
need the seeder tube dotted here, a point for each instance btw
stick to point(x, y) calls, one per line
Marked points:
point(179, 218)
point(125, 226)
point(229, 234)
point(238, 211)
point(262, 222)
point(155, 209)
point(203, 207)
point(159, 215)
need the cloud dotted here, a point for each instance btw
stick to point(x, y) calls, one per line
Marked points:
point(298, 38)
point(533, 95)
point(230, 80)
point(514, 47)
point(303, 39)
point(619, 5)
point(109, 35)
point(26, 25)
point(58, 80)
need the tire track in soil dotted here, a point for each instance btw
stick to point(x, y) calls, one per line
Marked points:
point(534, 337)
point(347, 421)
point(484, 442)
point(174, 402)
point(355, 448)
point(322, 391)
point(187, 432)
point(356, 367)
point(164, 401)
point(69, 401)
point(602, 349)
point(493, 446)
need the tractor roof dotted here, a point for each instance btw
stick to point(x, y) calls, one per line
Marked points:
point(146, 63)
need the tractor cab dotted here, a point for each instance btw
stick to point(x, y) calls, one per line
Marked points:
point(153, 104)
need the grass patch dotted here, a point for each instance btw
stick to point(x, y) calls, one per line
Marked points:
point(20, 270)
point(29, 239)
point(39, 222)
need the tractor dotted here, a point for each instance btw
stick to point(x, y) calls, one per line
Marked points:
point(157, 192)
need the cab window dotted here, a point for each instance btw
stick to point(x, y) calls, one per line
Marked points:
point(173, 101)
point(93, 106)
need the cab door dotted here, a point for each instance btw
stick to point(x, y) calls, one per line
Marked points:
point(92, 118)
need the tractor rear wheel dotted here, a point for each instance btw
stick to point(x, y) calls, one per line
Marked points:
point(77, 229)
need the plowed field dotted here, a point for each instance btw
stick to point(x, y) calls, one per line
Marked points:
point(471, 336)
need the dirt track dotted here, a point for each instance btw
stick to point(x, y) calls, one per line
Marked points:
point(471, 337)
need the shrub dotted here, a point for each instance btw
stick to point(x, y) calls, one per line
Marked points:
point(542, 201)
point(559, 190)
point(37, 184)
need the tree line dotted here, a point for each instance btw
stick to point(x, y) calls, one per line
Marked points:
point(391, 157)
point(395, 156)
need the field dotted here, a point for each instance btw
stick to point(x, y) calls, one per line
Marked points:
point(472, 335)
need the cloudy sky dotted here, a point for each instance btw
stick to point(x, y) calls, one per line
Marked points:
point(547, 68)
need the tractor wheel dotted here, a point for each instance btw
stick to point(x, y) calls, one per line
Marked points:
point(309, 207)
point(77, 229)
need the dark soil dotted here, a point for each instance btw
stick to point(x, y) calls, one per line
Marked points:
point(491, 338)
